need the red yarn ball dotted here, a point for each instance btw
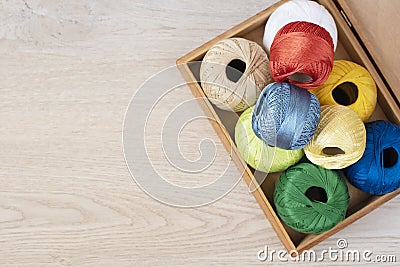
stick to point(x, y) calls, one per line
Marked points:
point(302, 48)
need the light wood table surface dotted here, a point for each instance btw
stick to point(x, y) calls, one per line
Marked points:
point(68, 72)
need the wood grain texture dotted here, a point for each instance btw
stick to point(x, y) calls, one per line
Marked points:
point(378, 20)
point(68, 71)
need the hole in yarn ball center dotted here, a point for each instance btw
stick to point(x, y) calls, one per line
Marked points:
point(235, 70)
point(345, 93)
point(332, 151)
point(389, 157)
point(316, 194)
point(300, 77)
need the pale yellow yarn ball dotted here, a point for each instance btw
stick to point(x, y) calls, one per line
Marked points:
point(340, 138)
point(233, 73)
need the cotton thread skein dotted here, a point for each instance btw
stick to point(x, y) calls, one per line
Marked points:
point(256, 153)
point(299, 10)
point(351, 85)
point(233, 73)
point(286, 116)
point(339, 140)
point(378, 171)
point(304, 50)
point(311, 199)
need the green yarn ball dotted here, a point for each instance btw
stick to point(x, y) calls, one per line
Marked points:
point(311, 199)
point(258, 154)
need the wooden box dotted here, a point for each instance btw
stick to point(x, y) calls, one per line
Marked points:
point(351, 47)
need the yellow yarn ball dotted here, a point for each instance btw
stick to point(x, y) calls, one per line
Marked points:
point(233, 73)
point(340, 138)
point(351, 85)
point(258, 154)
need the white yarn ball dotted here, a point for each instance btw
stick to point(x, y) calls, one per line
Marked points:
point(299, 10)
point(234, 87)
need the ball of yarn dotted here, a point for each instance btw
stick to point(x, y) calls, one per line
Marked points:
point(378, 171)
point(302, 54)
point(351, 85)
point(339, 140)
point(256, 153)
point(311, 199)
point(233, 73)
point(286, 116)
point(299, 10)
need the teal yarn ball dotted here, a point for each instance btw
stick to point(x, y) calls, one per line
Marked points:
point(258, 154)
point(311, 199)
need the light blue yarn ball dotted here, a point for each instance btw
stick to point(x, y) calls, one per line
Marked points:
point(378, 170)
point(286, 116)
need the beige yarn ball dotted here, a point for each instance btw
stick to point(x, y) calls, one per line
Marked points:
point(340, 138)
point(233, 73)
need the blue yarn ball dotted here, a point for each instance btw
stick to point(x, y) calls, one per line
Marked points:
point(378, 171)
point(286, 116)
